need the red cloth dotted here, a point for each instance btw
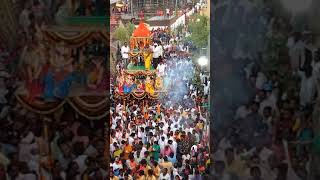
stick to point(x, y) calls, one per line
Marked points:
point(34, 88)
point(120, 88)
point(141, 31)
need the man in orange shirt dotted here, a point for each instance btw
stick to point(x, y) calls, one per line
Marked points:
point(127, 150)
point(156, 169)
point(166, 164)
point(150, 175)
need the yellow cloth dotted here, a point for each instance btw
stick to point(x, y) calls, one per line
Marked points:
point(237, 167)
point(208, 162)
point(157, 171)
point(149, 88)
point(151, 177)
point(117, 153)
point(199, 126)
point(185, 114)
point(127, 150)
point(146, 169)
point(167, 165)
point(296, 125)
point(93, 77)
point(4, 160)
point(158, 83)
point(147, 60)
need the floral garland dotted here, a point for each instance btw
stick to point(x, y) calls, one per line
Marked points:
point(139, 96)
point(77, 40)
point(94, 111)
point(140, 72)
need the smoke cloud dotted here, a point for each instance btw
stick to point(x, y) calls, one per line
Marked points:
point(179, 74)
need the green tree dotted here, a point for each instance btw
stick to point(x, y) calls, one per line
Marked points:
point(121, 34)
point(130, 28)
point(199, 28)
point(180, 28)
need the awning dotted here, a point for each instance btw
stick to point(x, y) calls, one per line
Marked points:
point(113, 1)
point(119, 5)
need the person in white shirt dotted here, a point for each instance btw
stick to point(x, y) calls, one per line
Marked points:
point(125, 53)
point(296, 50)
point(307, 86)
point(168, 12)
point(260, 80)
point(164, 175)
point(157, 54)
point(161, 69)
point(269, 100)
point(206, 89)
point(131, 139)
point(316, 64)
point(162, 142)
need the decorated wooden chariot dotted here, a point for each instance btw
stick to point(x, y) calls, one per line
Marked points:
point(140, 80)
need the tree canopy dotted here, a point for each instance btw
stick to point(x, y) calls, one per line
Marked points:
point(199, 29)
point(122, 34)
point(130, 27)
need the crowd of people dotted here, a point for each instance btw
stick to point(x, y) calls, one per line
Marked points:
point(66, 146)
point(69, 148)
point(164, 138)
point(165, 45)
point(273, 135)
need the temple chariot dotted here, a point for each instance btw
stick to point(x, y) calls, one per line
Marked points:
point(139, 79)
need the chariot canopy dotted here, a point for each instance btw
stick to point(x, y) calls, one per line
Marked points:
point(140, 35)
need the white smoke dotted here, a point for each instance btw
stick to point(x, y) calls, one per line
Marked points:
point(179, 74)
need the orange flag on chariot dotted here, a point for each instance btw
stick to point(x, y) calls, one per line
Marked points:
point(158, 108)
point(146, 114)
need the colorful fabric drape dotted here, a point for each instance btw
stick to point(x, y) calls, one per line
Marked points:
point(140, 73)
point(90, 107)
point(76, 38)
point(141, 95)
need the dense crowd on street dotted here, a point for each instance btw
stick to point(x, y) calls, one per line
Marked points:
point(273, 136)
point(67, 146)
point(164, 138)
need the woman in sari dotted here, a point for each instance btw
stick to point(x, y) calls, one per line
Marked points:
point(147, 55)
